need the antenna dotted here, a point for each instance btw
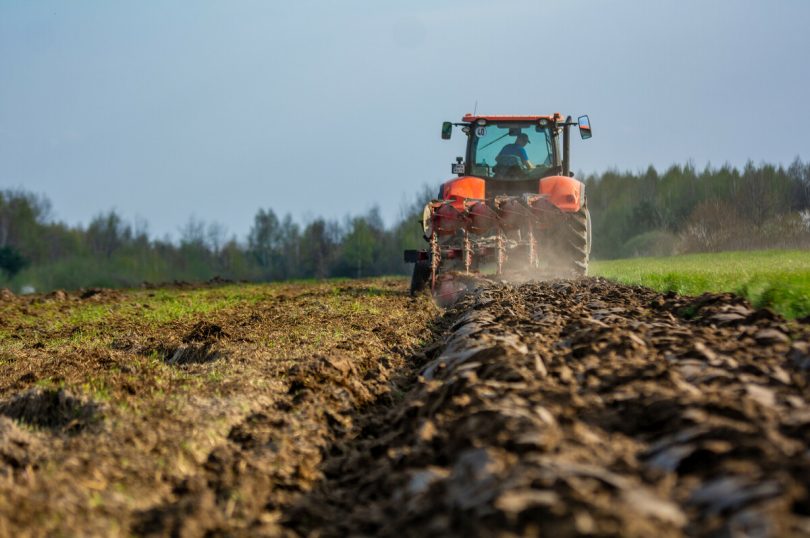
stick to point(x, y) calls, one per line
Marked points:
point(475, 110)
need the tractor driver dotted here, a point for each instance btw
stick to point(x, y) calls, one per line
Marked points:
point(517, 148)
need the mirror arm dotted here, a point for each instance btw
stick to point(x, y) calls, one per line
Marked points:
point(567, 145)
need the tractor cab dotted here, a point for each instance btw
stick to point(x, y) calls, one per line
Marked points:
point(512, 150)
point(508, 151)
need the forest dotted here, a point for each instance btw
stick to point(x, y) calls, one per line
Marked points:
point(645, 213)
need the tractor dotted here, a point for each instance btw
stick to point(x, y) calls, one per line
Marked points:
point(514, 207)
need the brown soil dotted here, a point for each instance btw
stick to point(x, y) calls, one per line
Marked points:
point(560, 408)
point(586, 408)
point(214, 422)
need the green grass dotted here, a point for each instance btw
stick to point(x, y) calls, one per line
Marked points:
point(146, 308)
point(779, 279)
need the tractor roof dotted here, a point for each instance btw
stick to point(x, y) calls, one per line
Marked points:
point(470, 118)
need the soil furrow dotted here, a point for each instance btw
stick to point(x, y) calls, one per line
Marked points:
point(585, 408)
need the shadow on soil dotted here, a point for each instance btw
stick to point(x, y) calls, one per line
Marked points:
point(52, 409)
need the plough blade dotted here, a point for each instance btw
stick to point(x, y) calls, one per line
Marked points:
point(464, 234)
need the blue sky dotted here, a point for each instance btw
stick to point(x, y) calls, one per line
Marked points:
point(164, 110)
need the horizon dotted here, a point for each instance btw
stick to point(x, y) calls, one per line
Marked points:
point(139, 224)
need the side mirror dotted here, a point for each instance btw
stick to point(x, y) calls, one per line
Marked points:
point(584, 127)
point(447, 130)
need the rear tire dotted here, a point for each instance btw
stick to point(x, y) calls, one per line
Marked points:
point(420, 276)
point(573, 244)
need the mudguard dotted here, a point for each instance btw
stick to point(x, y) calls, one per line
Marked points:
point(457, 190)
point(564, 192)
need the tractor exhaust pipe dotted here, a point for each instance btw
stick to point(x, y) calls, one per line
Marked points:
point(566, 161)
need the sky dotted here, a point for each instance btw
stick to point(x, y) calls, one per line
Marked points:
point(167, 110)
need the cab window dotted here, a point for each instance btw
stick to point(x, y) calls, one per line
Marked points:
point(511, 144)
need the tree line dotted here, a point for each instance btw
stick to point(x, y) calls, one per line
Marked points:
point(685, 210)
point(643, 213)
point(39, 253)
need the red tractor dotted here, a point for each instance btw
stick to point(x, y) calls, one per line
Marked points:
point(515, 205)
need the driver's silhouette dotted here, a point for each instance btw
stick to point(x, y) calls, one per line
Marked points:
point(518, 149)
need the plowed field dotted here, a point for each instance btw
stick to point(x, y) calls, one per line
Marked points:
point(559, 408)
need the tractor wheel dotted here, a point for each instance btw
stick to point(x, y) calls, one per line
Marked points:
point(573, 244)
point(420, 277)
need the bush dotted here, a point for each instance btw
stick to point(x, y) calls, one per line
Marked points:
point(712, 226)
point(655, 243)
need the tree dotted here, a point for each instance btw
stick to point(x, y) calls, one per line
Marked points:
point(799, 174)
point(107, 233)
point(290, 261)
point(357, 252)
point(317, 248)
point(192, 233)
point(266, 242)
point(23, 217)
point(11, 261)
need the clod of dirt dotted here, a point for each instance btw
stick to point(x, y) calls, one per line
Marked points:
point(729, 493)
point(52, 409)
point(799, 355)
point(58, 295)
point(97, 293)
point(26, 379)
point(204, 331)
point(192, 354)
point(199, 345)
point(770, 336)
point(18, 448)
point(92, 292)
point(325, 371)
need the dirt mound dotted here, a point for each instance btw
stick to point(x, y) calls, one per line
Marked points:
point(204, 331)
point(316, 373)
point(98, 294)
point(585, 407)
point(192, 354)
point(52, 409)
point(58, 295)
point(200, 345)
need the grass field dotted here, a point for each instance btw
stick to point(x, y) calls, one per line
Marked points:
point(779, 279)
